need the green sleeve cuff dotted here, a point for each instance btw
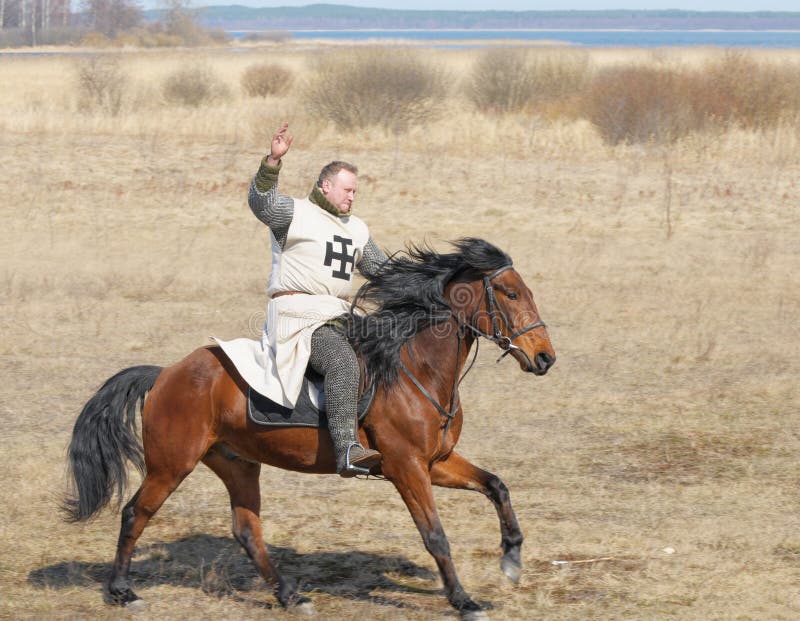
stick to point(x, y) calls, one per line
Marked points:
point(267, 176)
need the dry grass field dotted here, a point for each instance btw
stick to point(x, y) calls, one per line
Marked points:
point(658, 458)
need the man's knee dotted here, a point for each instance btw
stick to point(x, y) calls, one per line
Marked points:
point(332, 352)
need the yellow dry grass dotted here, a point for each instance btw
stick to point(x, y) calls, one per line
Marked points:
point(669, 421)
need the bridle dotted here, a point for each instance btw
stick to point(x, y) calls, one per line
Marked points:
point(506, 343)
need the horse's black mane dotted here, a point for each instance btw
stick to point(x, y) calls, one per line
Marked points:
point(408, 295)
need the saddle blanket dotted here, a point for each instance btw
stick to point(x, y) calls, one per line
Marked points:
point(309, 410)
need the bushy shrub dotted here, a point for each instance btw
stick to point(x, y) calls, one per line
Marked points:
point(385, 88)
point(95, 39)
point(101, 85)
point(159, 38)
point(640, 104)
point(517, 79)
point(127, 39)
point(266, 79)
point(193, 87)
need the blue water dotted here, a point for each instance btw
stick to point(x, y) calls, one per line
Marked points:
point(588, 38)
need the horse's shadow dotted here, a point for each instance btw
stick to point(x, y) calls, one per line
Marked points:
point(217, 566)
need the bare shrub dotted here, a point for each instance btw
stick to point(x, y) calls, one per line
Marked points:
point(266, 79)
point(101, 85)
point(193, 87)
point(658, 104)
point(739, 89)
point(517, 79)
point(640, 104)
point(500, 80)
point(268, 36)
point(560, 79)
point(384, 88)
point(217, 36)
point(158, 38)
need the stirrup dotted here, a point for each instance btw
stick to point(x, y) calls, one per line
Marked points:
point(350, 470)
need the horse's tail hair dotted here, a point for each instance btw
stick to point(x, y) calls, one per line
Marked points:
point(104, 440)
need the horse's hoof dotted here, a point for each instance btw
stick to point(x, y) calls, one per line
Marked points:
point(124, 597)
point(304, 609)
point(136, 605)
point(474, 615)
point(511, 569)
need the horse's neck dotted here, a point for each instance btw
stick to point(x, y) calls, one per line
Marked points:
point(437, 354)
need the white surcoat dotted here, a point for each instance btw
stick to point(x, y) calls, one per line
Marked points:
point(320, 252)
point(318, 259)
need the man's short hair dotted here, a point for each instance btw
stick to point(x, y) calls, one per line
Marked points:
point(332, 169)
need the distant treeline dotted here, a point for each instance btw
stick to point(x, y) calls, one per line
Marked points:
point(329, 16)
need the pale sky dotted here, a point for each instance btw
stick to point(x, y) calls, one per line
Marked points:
point(528, 5)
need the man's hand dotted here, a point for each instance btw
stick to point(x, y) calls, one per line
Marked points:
point(281, 142)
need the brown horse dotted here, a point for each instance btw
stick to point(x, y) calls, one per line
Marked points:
point(431, 308)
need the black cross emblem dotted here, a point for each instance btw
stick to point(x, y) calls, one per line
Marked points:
point(342, 257)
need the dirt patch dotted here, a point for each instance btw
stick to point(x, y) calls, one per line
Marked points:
point(686, 458)
point(789, 551)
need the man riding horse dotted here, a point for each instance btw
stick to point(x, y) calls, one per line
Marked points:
point(429, 310)
point(316, 243)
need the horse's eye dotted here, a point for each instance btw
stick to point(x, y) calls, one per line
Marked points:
point(512, 296)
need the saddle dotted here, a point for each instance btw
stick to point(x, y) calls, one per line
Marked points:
point(309, 410)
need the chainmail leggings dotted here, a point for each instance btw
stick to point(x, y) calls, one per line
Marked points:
point(333, 357)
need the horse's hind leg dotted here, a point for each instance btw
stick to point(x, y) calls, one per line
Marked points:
point(135, 516)
point(457, 472)
point(241, 480)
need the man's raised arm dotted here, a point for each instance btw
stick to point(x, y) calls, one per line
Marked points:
point(273, 209)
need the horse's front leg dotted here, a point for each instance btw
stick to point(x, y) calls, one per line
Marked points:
point(412, 480)
point(457, 472)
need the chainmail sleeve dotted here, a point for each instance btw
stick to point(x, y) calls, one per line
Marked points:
point(273, 209)
point(371, 259)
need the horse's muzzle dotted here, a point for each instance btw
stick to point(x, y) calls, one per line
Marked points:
point(538, 366)
point(542, 362)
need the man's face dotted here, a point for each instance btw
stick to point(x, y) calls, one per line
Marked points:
point(341, 190)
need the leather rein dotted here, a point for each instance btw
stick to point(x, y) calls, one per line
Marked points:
point(505, 343)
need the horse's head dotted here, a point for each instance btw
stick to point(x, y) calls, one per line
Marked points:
point(499, 306)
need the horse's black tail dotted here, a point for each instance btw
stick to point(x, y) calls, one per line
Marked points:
point(103, 440)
